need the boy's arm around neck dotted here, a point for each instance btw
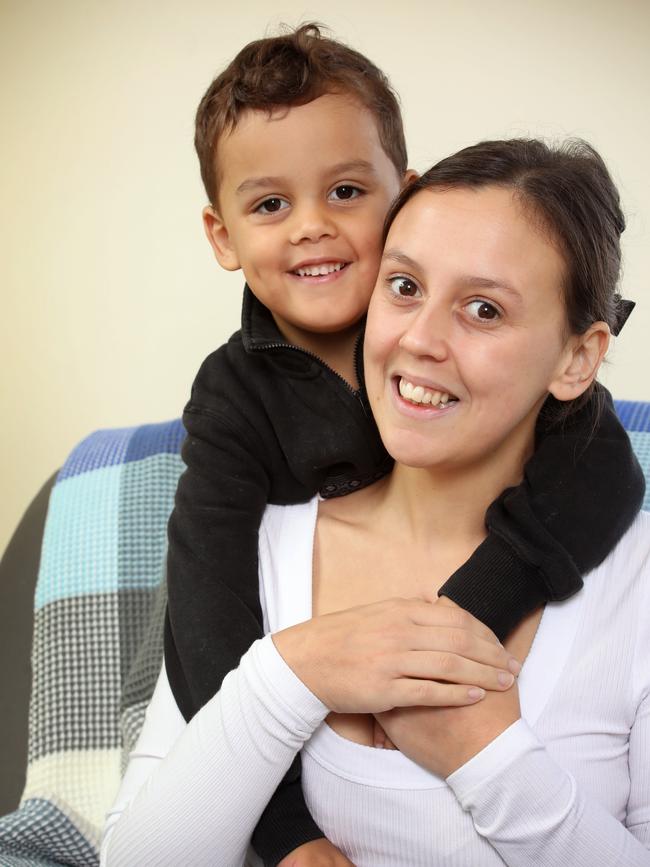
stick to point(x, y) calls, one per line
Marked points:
point(581, 490)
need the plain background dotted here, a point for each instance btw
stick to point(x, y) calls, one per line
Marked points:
point(110, 296)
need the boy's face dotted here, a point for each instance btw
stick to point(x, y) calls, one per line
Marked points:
point(302, 201)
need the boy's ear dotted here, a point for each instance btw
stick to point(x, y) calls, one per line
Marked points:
point(580, 362)
point(217, 234)
point(409, 176)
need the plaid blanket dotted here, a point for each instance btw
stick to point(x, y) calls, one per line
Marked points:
point(97, 647)
point(97, 650)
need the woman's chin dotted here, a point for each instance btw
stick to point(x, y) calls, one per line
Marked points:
point(417, 452)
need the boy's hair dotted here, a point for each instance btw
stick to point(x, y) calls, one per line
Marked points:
point(293, 69)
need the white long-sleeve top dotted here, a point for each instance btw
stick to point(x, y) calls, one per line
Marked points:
point(568, 784)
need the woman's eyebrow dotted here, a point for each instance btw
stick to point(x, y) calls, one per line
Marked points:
point(470, 281)
point(473, 282)
point(401, 258)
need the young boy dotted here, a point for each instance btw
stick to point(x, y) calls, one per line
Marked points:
point(301, 148)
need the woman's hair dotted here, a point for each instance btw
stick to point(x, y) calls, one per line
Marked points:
point(569, 192)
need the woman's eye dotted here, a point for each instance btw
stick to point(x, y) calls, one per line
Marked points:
point(344, 192)
point(484, 311)
point(403, 287)
point(272, 205)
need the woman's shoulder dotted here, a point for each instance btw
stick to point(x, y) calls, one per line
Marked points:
point(623, 578)
point(278, 520)
point(634, 545)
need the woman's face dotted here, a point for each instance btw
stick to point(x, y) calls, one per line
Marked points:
point(466, 330)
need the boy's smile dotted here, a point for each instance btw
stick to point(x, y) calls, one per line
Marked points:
point(302, 199)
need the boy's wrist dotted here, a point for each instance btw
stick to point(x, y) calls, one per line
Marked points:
point(496, 586)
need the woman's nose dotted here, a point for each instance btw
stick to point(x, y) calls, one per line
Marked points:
point(427, 333)
point(312, 222)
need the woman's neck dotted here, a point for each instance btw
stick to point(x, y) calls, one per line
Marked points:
point(445, 508)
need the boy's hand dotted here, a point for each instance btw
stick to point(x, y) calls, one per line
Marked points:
point(395, 653)
point(316, 853)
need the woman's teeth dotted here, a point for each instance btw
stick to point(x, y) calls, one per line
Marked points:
point(319, 270)
point(421, 395)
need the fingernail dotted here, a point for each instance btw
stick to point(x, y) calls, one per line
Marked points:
point(475, 693)
point(514, 665)
point(505, 678)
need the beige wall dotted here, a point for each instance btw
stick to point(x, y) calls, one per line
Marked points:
point(110, 298)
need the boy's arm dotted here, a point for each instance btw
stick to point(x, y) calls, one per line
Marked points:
point(214, 612)
point(581, 490)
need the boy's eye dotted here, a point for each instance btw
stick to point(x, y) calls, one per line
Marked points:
point(403, 287)
point(272, 205)
point(345, 191)
point(483, 310)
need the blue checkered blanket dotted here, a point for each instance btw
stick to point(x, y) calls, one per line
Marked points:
point(97, 648)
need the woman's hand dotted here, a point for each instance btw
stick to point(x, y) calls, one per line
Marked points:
point(444, 738)
point(316, 853)
point(396, 653)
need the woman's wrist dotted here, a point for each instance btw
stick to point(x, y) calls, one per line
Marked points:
point(474, 742)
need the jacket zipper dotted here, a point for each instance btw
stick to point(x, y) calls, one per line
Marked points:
point(355, 392)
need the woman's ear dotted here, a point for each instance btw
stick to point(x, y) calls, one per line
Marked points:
point(217, 234)
point(580, 362)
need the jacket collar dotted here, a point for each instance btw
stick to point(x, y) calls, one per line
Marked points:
point(258, 328)
point(259, 332)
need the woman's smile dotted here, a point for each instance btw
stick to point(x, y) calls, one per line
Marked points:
point(430, 399)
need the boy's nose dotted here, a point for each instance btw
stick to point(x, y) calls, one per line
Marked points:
point(312, 223)
point(427, 333)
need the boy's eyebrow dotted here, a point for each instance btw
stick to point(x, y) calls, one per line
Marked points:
point(254, 183)
point(470, 281)
point(353, 166)
point(274, 181)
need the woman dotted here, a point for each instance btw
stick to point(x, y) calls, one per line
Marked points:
point(494, 302)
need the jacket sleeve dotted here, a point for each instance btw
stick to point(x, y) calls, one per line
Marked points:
point(581, 490)
point(214, 612)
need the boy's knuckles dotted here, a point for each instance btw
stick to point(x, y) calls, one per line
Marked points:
point(457, 618)
point(421, 693)
point(459, 642)
point(447, 664)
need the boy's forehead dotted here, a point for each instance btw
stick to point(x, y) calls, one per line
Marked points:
point(329, 133)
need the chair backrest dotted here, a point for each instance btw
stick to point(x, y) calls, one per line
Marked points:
point(635, 416)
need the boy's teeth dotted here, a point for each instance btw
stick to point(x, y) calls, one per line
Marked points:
point(319, 270)
point(419, 394)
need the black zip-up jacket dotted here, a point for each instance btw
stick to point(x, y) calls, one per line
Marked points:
point(271, 423)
